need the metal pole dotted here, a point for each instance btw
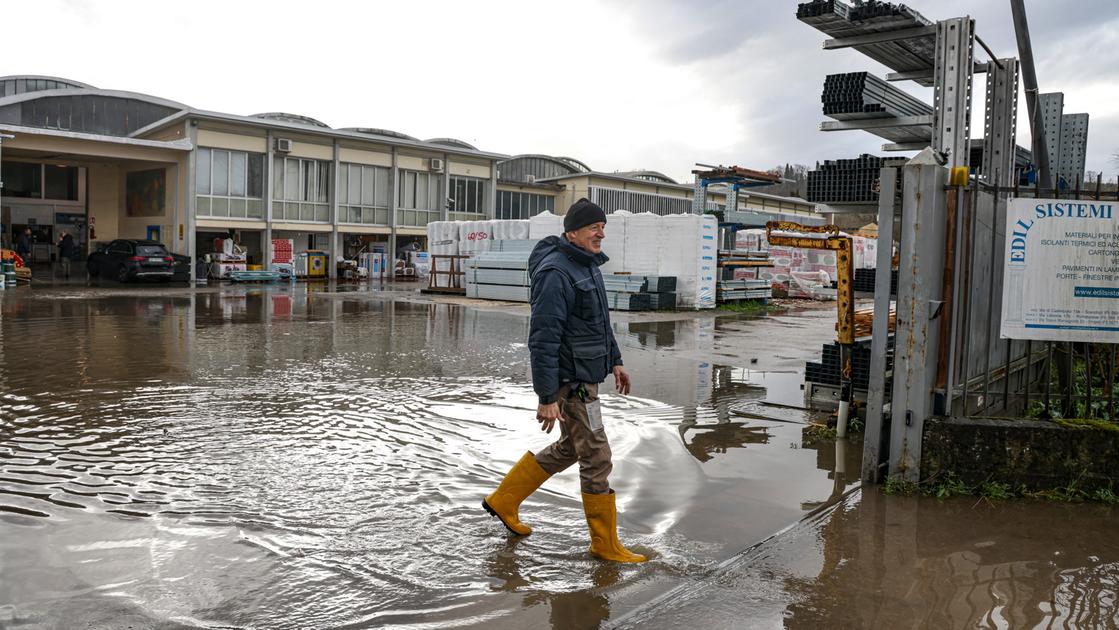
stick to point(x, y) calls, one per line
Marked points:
point(1029, 81)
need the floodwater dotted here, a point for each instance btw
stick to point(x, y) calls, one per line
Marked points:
point(313, 457)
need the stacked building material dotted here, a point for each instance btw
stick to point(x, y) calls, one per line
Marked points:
point(499, 275)
point(838, 19)
point(689, 251)
point(442, 240)
point(614, 243)
point(807, 262)
point(865, 280)
point(827, 370)
point(848, 181)
point(627, 292)
point(545, 224)
point(862, 95)
point(743, 289)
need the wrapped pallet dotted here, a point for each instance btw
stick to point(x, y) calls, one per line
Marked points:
point(442, 239)
point(510, 229)
point(545, 224)
point(689, 251)
point(642, 244)
point(614, 244)
point(474, 237)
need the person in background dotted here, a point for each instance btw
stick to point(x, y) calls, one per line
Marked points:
point(23, 247)
point(67, 251)
point(572, 350)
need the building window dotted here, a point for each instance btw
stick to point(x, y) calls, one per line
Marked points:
point(467, 198)
point(363, 194)
point(521, 205)
point(611, 199)
point(229, 184)
point(418, 199)
point(301, 190)
point(28, 180)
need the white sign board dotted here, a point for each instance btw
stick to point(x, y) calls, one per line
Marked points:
point(1061, 277)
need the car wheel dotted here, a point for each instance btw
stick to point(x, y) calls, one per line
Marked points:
point(122, 273)
point(91, 267)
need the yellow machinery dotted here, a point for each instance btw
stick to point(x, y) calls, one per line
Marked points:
point(845, 296)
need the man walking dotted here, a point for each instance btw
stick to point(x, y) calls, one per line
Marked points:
point(572, 350)
point(23, 247)
point(67, 250)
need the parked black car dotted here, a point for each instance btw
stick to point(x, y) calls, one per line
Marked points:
point(128, 259)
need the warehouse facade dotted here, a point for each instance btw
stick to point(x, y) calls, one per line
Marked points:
point(106, 164)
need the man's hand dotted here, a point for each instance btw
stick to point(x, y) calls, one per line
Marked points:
point(621, 380)
point(547, 415)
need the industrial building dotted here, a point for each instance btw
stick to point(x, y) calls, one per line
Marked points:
point(107, 164)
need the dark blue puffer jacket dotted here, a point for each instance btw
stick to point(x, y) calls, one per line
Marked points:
point(570, 339)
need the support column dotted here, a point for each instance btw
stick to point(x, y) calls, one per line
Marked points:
point(191, 198)
point(699, 197)
point(953, 63)
point(732, 201)
point(332, 268)
point(1001, 121)
point(444, 205)
point(491, 203)
point(919, 305)
point(269, 177)
point(394, 183)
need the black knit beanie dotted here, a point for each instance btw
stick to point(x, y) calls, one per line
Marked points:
point(582, 213)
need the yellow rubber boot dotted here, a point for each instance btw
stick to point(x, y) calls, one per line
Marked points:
point(522, 480)
point(602, 518)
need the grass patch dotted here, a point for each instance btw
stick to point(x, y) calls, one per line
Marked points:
point(1087, 423)
point(950, 486)
point(749, 307)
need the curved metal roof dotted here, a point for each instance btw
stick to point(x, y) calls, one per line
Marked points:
point(291, 118)
point(452, 142)
point(64, 83)
point(576, 164)
point(75, 92)
point(373, 131)
point(652, 176)
point(571, 164)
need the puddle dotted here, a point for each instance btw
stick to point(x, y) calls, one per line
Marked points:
point(285, 457)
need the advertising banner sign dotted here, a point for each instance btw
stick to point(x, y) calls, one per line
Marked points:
point(1061, 272)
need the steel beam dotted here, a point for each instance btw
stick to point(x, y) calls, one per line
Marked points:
point(1040, 150)
point(904, 146)
point(876, 123)
point(877, 38)
point(927, 75)
point(1001, 120)
point(877, 400)
point(920, 277)
point(955, 56)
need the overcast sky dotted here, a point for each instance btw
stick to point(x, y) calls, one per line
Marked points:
point(659, 84)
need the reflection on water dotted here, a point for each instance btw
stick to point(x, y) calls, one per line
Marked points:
point(291, 457)
point(876, 561)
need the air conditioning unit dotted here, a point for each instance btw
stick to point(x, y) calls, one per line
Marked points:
point(530, 179)
point(284, 145)
point(436, 164)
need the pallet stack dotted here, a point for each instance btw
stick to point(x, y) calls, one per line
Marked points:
point(743, 289)
point(626, 292)
point(500, 273)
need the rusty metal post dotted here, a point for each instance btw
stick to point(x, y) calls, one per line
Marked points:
point(919, 304)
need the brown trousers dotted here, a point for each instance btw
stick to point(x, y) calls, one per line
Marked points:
point(580, 442)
